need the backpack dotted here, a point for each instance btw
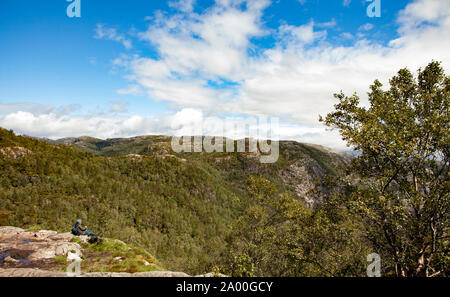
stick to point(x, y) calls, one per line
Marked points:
point(75, 231)
point(92, 239)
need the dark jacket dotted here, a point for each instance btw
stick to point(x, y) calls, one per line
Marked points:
point(79, 229)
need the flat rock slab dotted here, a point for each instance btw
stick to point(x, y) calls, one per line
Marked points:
point(137, 274)
point(29, 272)
point(27, 247)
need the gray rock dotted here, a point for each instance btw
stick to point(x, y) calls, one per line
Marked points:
point(28, 272)
point(8, 231)
point(63, 249)
point(212, 274)
point(42, 245)
point(10, 260)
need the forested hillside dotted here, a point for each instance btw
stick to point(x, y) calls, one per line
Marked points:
point(186, 209)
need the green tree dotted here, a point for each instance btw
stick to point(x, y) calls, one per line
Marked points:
point(279, 236)
point(402, 170)
point(262, 238)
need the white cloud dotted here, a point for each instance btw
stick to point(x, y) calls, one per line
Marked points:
point(118, 106)
point(183, 5)
point(347, 35)
point(212, 44)
point(294, 80)
point(131, 90)
point(36, 108)
point(294, 36)
point(54, 126)
point(329, 24)
point(346, 2)
point(420, 11)
point(366, 27)
point(103, 32)
point(187, 121)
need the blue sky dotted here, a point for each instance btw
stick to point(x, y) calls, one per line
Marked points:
point(135, 67)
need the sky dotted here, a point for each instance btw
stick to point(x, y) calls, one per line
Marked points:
point(128, 68)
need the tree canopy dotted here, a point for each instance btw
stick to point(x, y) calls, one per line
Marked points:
point(402, 172)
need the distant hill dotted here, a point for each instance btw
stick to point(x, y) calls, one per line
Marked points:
point(300, 164)
point(178, 206)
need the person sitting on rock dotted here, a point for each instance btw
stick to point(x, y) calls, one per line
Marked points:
point(80, 230)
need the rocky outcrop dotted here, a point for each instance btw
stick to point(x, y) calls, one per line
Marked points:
point(301, 177)
point(15, 152)
point(31, 254)
point(20, 248)
point(29, 272)
point(34, 272)
point(308, 166)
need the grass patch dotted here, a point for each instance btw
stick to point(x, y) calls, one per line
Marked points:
point(76, 240)
point(61, 260)
point(34, 228)
point(130, 265)
point(110, 255)
point(108, 245)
